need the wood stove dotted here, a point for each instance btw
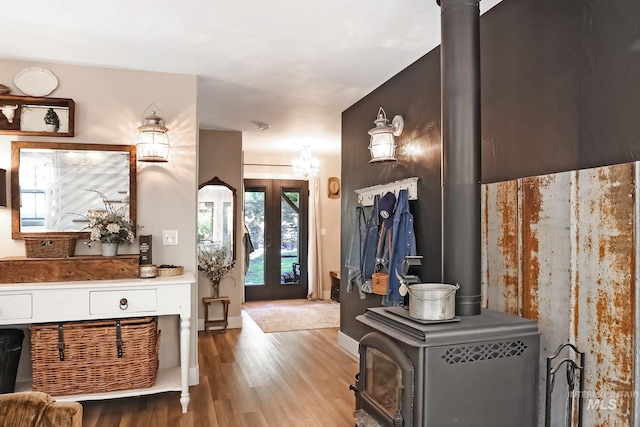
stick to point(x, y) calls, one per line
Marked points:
point(481, 368)
point(472, 371)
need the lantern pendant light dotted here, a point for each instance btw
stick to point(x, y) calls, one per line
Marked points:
point(153, 141)
point(382, 144)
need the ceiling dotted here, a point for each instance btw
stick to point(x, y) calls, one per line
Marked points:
point(295, 65)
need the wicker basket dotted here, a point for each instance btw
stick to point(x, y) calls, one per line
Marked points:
point(170, 271)
point(90, 360)
point(379, 283)
point(50, 246)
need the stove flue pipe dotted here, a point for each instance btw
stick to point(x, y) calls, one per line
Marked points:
point(460, 77)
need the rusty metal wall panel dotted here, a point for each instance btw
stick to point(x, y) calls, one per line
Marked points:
point(574, 243)
point(500, 246)
point(603, 278)
point(545, 257)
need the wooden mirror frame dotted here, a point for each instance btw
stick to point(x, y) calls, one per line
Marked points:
point(16, 146)
point(234, 231)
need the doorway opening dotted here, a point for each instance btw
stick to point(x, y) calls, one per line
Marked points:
point(276, 215)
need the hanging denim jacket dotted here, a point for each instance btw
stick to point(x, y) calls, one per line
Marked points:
point(370, 246)
point(356, 252)
point(403, 243)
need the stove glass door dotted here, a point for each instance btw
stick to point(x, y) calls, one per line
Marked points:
point(383, 380)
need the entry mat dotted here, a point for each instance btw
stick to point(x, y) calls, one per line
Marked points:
point(404, 312)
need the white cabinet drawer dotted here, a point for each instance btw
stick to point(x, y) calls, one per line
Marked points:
point(17, 306)
point(127, 301)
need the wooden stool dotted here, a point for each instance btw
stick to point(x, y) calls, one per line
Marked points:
point(218, 322)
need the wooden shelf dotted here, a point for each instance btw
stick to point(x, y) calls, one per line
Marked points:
point(87, 267)
point(168, 380)
point(28, 119)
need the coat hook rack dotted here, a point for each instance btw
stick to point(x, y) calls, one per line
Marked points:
point(366, 195)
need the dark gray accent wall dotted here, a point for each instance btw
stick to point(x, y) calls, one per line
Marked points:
point(560, 90)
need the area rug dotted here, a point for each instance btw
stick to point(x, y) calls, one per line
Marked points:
point(293, 315)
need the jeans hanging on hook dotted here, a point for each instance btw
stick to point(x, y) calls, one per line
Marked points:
point(370, 246)
point(356, 252)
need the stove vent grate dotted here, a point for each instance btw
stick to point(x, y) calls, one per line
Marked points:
point(475, 353)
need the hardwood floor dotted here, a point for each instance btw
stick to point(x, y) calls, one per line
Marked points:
point(249, 378)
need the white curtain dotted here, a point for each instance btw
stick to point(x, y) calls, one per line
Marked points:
point(315, 244)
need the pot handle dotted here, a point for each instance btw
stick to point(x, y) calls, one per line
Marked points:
point(434, 299)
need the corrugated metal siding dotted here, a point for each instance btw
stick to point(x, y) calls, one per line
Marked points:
point(500, 246)
point(575, 275)
point(545, 263)
point(603, 287)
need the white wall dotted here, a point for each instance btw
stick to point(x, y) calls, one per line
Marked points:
point(109, 108)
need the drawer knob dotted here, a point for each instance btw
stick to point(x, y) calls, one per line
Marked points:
point(124, 304)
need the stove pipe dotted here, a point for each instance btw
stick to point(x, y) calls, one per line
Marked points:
point(460, 77)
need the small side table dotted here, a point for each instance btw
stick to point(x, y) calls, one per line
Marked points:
point(224, 322)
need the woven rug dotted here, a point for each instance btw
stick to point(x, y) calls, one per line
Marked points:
point(293, 315)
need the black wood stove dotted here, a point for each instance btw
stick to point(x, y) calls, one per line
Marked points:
point(479, 369)
point(472, 371)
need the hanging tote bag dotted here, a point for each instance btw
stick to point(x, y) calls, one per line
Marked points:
point(380, 279)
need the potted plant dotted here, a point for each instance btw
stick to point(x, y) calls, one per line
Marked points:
point(215, 264)
point(52, 121)
point(110, 226)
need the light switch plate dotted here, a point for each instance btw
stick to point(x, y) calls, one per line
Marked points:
point(169, 237)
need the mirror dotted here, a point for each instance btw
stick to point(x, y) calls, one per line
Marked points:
point(51, 185)
point(217, 209)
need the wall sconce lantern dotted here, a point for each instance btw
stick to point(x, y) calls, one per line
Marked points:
point(383, 144)
point(3, 188)
point(153, 141)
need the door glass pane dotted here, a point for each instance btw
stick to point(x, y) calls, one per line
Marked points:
point(382, 380)
point(254, 216)
point(290, 237)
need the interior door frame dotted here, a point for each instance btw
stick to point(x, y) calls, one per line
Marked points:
point(273, 289)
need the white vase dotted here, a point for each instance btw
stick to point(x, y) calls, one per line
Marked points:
point(109, 249)
point(52, 128)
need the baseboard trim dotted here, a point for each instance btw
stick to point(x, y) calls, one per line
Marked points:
point(349, 344)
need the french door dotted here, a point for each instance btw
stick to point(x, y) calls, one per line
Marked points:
point(276, 215)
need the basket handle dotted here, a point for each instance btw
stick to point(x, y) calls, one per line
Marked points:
point(119, 339)
point(434, 299)
point(60, 342)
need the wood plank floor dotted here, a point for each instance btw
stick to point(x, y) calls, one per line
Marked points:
point(249, 378)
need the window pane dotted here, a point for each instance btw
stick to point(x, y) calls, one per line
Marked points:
point(289, 237)
point(254, 217)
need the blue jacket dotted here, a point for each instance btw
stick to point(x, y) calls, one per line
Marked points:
point(403, 243)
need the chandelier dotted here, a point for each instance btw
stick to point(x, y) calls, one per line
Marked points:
point(306, 166)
